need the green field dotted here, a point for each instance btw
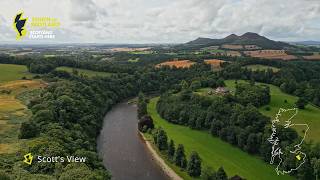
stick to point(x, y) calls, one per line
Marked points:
point(215, 152)
point(261, 67)
point(310, 115)
point(141, 52)
point(86, 72)
point(10, 72)
point(134, 60)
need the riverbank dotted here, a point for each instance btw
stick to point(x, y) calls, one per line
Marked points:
point(165, 168)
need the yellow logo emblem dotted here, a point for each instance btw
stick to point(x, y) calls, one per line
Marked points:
point(19, 25)
point(28, 158)
point(298, 157)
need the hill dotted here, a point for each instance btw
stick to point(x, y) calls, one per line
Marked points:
point(248, 38)
point(308, 43)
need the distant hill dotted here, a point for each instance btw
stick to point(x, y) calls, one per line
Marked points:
point(308, 43)
point(248, 38)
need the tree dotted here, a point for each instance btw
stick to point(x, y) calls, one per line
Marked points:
point(162, 140)
point(316, 167)
point(145, 123)
point(208, 173)
point(28, 130)
point(184, 85)
point(171, 149)
point(4, 176)
point(180, 157)
point(252, 143)
point(221, 174)
point(194, 165)
point(301, 103)
point(195, 85)
point(142, 106)
point(76, 171)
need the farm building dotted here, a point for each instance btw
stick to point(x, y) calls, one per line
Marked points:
point(222, 90)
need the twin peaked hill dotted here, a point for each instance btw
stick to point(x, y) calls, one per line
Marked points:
point(248, 38)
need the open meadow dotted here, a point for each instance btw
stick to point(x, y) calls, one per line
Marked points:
point(258, 67)
point(9, 72)
point(86, 72)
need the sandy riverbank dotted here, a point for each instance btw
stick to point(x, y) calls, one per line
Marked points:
point(166, 169)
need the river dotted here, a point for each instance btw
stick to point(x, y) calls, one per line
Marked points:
point(123, 152)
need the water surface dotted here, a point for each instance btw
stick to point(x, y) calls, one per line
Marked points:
point(123, 152)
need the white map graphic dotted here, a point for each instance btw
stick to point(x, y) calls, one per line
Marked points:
point(274, 140)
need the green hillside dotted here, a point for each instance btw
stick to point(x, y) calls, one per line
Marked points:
point(215, 152)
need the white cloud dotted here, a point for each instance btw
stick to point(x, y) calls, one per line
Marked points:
point(143, 21)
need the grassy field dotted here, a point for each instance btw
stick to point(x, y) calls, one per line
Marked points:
point(215, 152)
point(86, 72)
point(310, 115)
point(261, 67)
point(134, 60)
point(10, 72)
point(13, 112)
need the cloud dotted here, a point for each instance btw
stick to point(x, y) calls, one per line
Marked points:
point(167, 21)
point(85, 10)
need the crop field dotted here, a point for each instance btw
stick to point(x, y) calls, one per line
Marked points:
point(177, 64)
point(315, 56)
point(86, 72)
point(259, 67)
point(232, 46)
point(13, 112)
point(9, 72)
point(214, 62)
point(233, 53)
point(270, 54)
point(310, 115)
point(215, 152)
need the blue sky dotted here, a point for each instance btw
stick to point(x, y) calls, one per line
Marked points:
point(167, 21)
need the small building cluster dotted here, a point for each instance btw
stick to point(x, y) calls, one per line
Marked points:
point(220, 91)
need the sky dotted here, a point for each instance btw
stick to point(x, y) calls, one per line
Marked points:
point(166, 21)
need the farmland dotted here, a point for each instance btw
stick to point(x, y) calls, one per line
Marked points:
point(11, 72)
point(315, 56)
point(233, 53)
point(13, 111)
point(213, 151)
point(86, 72)
point(215, 63)
point(127, 49)
point(270, 54)
point(309, 115)
point(232, 46)
point(177, 64)
point(259, 67)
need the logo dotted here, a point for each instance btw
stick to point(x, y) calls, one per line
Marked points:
point(28, 158)
point(39, 28)
point(19, 25)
